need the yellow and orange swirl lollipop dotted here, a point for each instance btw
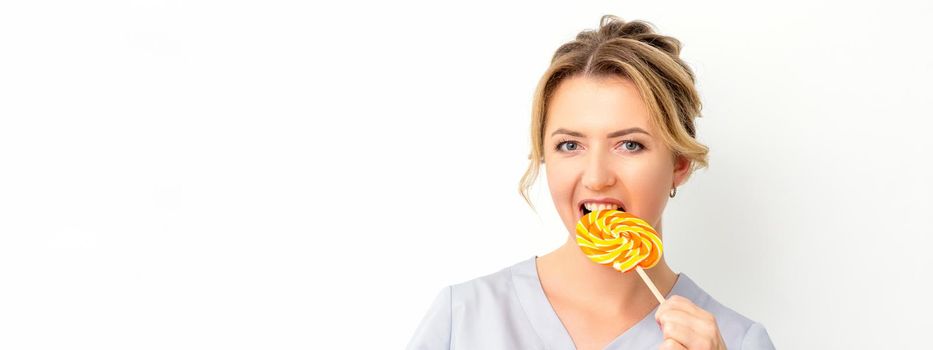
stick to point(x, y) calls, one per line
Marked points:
point(618, 238)
point(622, 240)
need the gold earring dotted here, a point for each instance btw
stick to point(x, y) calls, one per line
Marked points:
point(673, 191)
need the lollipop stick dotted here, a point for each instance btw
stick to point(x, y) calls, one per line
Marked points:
point(650, 284)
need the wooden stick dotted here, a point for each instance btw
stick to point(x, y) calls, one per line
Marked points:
point(654, 290)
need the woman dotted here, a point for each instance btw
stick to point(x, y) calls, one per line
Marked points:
point(613, 123)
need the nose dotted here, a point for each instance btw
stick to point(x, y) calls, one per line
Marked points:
point(598, 174)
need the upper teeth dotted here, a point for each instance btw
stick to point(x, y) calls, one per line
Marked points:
point(599, 206)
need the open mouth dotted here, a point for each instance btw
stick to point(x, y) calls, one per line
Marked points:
point(585, 211)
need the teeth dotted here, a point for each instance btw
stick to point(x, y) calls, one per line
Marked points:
point(600, 206)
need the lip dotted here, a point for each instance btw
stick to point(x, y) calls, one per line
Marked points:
point(604, 200)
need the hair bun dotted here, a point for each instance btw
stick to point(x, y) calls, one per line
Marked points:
point(612, 27)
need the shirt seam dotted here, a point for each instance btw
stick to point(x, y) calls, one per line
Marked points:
point(745, 336)
point(450, 316)
point(525, 311)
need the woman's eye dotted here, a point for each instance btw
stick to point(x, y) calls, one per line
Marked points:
point(570, 146)
point(632, 146)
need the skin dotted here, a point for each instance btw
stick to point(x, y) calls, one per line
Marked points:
point(596, 304)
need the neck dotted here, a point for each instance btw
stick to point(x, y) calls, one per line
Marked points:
point(569, 275)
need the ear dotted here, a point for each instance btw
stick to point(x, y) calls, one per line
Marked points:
point(681, 170)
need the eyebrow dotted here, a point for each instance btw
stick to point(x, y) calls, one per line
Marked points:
point(622, 132)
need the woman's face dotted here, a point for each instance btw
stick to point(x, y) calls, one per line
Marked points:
point(600, 146)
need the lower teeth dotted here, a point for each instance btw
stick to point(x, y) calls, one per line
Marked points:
point(587, 211)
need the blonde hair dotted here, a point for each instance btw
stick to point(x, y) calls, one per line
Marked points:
point(651, 61)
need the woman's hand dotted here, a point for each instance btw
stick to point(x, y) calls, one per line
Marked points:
point(687, 326)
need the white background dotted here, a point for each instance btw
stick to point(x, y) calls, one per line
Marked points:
point(281, 175)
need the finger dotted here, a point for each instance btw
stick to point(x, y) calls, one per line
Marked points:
point(681, 304)
point(678, 327)
point(689, 331)
point(673, 303)
point(682, 320)
point(671, 344)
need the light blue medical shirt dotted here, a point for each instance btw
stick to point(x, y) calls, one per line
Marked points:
point(508, 310)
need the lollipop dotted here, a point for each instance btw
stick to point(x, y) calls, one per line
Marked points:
point(620, 239)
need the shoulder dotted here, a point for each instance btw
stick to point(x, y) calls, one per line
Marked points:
point(739, 331)
point(493, 288)
point(482, 313)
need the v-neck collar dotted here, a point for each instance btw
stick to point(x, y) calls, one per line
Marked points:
point(552, 332)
